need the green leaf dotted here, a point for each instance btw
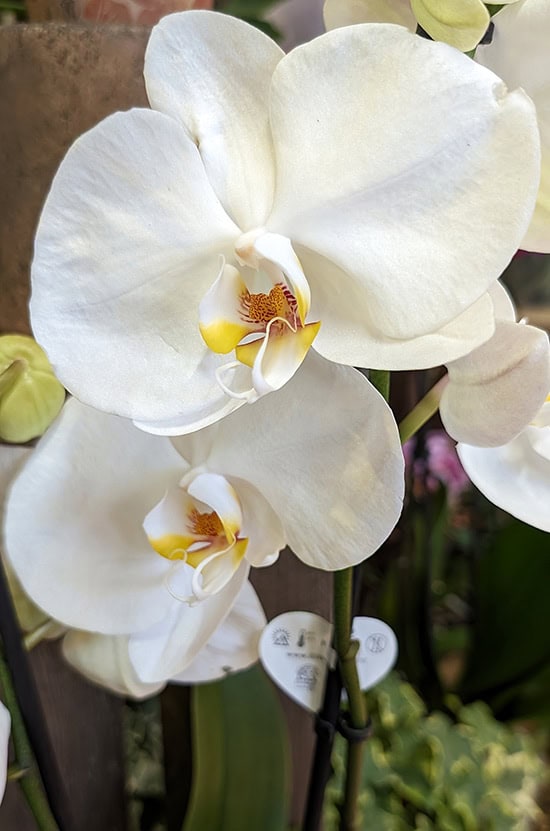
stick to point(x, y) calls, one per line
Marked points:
point(241, 760)
point(511, 612)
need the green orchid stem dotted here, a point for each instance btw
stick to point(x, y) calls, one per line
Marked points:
point(29, 781)
point(41, 632)
point(380, 378)
point(424, 410)
point(346, 649)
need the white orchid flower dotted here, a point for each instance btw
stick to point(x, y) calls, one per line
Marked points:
point(189, 256)
point(518, 53)
point(105, 659)
point(493, 393)
point(461, 24)
point(113, 531)
point(516, 476)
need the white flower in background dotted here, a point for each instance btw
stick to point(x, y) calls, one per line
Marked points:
point(5, 724)
point(105, 659)
point(516, 476)
point(496, 390)
point(330, 197)
point(461, 23)
point(519, 54)
point(114, 531)
point(496, 405)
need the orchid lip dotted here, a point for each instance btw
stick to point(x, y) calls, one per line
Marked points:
point(198, 527)
point(267, 330)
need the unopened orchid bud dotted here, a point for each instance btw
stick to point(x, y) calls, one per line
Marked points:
point(30, 394)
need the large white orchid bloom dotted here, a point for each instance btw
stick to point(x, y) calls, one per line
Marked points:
point(111, 531)
point(460, 23)
point(5, 724)
point(105, 659)
point(494, 392)
point(518, 52)
point(516, 476)
point(340, 196)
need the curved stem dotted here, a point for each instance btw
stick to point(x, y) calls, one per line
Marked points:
point(346, 649)
point(423, 411)
point(30, 781)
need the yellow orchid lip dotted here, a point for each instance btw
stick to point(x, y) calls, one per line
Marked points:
point(198, 525)
point(267, 329)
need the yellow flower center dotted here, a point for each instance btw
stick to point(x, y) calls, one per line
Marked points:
point(262, 308)
point(205, 525)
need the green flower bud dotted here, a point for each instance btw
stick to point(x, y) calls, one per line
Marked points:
point(30, 394)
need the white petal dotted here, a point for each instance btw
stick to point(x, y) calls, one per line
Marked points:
point(494, 392)
point(73, 528)
point(261, 526)
point(279, 250)
point(220, 496)
point(169, 647)
point(11, 458)
point(276, 357)
point(234, 644)
point(519, 54)
point(128, 243)
point(405, 218)
point(5, 723)
point(214, 572)
point(349, 336)
point(104, 660)
point(220, 313)
point(346, 12)
point(325, 453)
point(201, 400)
point(503, 304)
point(169, 518)
point(213, 72)
point(514, 476)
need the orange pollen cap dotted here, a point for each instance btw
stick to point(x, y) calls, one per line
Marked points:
point(261, 308)
point(205, 525)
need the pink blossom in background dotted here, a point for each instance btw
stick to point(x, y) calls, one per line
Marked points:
point(143, 12)
point(443, 463)
point(439, 466)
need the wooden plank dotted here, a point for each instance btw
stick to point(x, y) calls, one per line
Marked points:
point(85, 730)
point(55, 83)
point(287, 586)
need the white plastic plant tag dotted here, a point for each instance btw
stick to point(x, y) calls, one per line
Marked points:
point(295, 650)
point(377, 650)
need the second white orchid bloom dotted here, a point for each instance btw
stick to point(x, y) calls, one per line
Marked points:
point(117, 532)
point(106, 659)
point(516, 475)
point(328, 198)
point(496, 390)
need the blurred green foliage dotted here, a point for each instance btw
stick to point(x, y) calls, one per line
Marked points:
point(455, 771)
point(252, 11)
